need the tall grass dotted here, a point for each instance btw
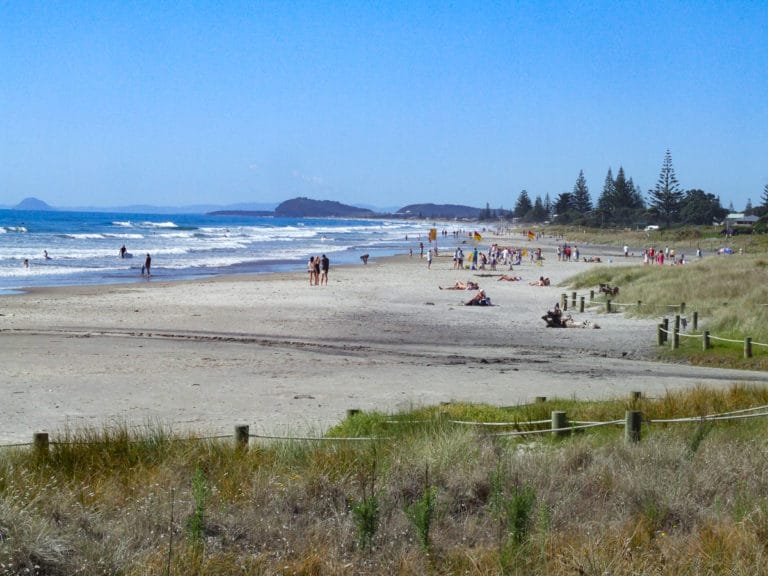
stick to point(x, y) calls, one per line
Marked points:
point(685, 500)
point(729, 293)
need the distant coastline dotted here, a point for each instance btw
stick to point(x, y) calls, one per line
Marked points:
point(294, 208)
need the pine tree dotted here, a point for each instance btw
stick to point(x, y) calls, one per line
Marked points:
point(581, 200)
point(524, 205)
point(538, 213)
point(605, 202)
point(748, 210)
point(764, 197)
point(666, 196)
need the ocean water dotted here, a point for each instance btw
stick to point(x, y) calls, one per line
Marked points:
point(83, 247)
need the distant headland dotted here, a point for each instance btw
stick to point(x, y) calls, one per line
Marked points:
point(308, 208)
point(294, 208)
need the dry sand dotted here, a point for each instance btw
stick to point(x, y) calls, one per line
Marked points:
point(284, 357)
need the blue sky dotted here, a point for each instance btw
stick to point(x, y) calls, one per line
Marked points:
point(381, 103)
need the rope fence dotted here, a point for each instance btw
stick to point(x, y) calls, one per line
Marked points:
point(664, 332)
point(558, 425)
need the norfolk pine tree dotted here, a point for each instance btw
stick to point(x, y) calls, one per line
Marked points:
point(581, 200)
point(666, 196)
point(524, 205)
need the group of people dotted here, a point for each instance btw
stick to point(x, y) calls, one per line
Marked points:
point(495, 256)
point(145, 268)
point(566, 253)
point(479, 299)
point(318, 270)
point(653, 256)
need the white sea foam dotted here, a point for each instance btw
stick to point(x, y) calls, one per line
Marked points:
point(159, 224)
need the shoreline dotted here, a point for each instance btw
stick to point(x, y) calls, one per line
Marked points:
point(269, 351)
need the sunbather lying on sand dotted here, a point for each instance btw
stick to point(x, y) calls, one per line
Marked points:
point(540, 282)
point(468, 285)
point(480, 299)
point(510, 278)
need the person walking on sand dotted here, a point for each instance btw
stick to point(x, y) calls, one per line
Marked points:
point(429, 259)
point(147, 265)
point(325, 263)
point(317, 270)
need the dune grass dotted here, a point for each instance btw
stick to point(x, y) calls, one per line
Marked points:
point(729, 294)
point(429, 496)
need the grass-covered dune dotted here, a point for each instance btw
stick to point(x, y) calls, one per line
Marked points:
point(429, 496)
point(729, 293)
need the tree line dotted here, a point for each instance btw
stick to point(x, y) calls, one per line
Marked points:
point(622, 204)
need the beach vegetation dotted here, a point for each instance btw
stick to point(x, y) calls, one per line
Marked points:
point(727, 293)
point(430, 494)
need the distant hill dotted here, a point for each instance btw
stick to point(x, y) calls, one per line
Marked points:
point(32, 204)
point(442, 211)
point(306, 208)
point(250, 213)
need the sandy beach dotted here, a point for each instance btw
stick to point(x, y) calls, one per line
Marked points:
point(286, 358)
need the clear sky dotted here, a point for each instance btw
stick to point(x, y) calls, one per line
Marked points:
point(110, 103)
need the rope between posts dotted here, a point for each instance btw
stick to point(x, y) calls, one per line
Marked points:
point(690, 335)
point(764, 407)
point(527, 423)
point(725, 339)
point(16, 445)
point(741, 414)
point(551, 430)
point(406, 421)
point(322, 439)
point(706, 418)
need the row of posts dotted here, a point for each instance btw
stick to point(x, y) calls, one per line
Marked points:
point(662, 335)
point(608, 308)
point(41, 441)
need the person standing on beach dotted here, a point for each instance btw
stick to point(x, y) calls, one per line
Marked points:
point(429, 259)
point(147, 264)
point(325, 263)
point(311, 270)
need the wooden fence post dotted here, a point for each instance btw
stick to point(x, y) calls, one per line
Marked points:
point(608, 306)
point(635, 395)
point(242, 436)
point(660, 334)
point(706, 340)
point(747, 347)
point(573, 299)
point(639, 304)
point(666, 328)
point(591, 295)
point(695, 320)
point(352, 412)
point(540, 399)
point(676, 333)
point(559, 421)
point(682, 307)
point(581, 304)
point(563, 302)
point(633, 422)
point(40, 443)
